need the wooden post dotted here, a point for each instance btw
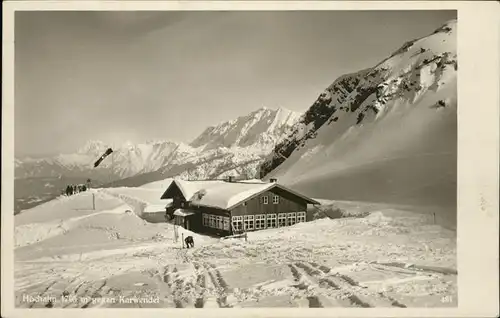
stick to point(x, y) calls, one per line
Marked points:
point(93, 201)
point(112, 167)
point(182, 240)
point(245, 236)
point(176, 234)
point(434, 217)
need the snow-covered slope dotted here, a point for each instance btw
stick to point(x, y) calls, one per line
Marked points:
point(388, 133)
point(390, 258)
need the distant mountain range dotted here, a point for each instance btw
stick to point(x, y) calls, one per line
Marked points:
point(247, 137)
point(236, 147)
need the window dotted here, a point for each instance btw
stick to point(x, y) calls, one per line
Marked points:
point(301, 217)
point(212, 221)
point(276, 199)
point(248, 222)
point(291, 218)
point(281, 219)
point(216, 221)
point(265, 199)
point(237, 223)
point(271, 221)
point(226, 223)
point(260, 221)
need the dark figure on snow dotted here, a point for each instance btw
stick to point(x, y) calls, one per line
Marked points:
point(189, 241)
point(70, 190)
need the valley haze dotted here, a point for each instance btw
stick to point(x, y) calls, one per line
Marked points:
point(362, 120)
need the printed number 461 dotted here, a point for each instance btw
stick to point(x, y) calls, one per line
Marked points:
point(447, 299)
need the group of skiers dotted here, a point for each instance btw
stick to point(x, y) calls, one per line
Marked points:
point(75, 188)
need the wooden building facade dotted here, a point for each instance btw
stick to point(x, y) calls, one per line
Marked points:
point(220, 208)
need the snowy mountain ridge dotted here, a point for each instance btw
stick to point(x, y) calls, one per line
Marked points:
point(259, 129)
point(245, 139)
point(383, 134)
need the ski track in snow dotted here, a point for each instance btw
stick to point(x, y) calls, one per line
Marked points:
point(217, 273)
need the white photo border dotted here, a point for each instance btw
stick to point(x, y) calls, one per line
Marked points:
point(478, 156)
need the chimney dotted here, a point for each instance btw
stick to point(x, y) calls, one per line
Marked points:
point(273, 180)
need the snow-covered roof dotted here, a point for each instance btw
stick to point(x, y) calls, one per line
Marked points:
point(223, 194)
point(182, 212)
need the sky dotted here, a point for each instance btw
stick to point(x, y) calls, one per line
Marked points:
point(139, 76)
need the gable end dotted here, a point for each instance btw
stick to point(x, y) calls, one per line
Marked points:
point(172, 191)
point(290, 193)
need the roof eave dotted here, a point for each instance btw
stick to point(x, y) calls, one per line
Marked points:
point(307, 199)
point(209, 206)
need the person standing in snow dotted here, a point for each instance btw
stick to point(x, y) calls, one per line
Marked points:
point(189, 241)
